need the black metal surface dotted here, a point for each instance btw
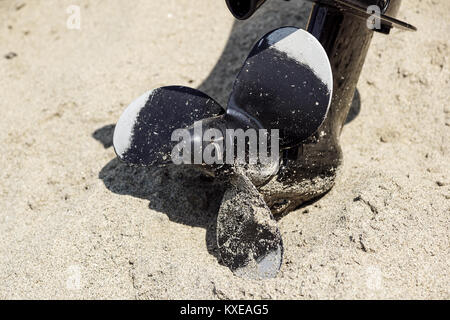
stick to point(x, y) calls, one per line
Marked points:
point(346, 40)
point(244, 9)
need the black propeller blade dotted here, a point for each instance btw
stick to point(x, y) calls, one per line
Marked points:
point(286, 83)
point(143, 132)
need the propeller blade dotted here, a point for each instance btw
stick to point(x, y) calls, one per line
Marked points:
point(143, 133)
point(248, 238)
point(286, 83)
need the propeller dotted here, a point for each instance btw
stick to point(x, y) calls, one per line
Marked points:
point(286, 83)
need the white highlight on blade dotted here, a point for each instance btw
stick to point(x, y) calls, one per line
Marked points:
point(306, 49)
point(123, 133)
point(265, 268)
point(269, 265)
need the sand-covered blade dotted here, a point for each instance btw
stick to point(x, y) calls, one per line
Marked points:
point(248, 237)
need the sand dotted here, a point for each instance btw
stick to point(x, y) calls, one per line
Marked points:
point(76, 223)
